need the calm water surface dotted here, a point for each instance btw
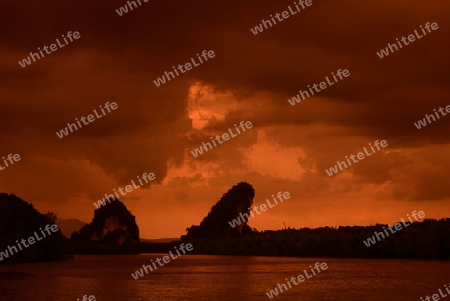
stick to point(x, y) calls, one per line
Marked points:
point(199, 277)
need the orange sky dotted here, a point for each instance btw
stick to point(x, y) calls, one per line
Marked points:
point(250, 78)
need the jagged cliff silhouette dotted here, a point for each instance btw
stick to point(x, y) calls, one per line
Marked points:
point(215, 225)
point(20, 220)
point(112, 224)
point(214, 236)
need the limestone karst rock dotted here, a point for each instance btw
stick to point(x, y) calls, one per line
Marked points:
point(19, 221)
point(112, 224)
point(235, 201)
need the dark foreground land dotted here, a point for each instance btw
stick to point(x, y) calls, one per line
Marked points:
point(427, 239)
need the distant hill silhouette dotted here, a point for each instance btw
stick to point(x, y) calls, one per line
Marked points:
point(235, 201)
point(68, 226)
point(112, 230)
point(160, 240)
point(20, 220)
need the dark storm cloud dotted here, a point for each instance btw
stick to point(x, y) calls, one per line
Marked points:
point(117, 59)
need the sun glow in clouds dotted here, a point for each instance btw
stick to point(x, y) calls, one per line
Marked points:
point(283, 163)
point(207, 105)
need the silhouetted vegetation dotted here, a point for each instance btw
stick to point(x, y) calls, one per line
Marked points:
point(113, 230)
point(20, 220)
point(427, 239)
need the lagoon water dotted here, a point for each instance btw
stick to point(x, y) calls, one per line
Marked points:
point(199, 277)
